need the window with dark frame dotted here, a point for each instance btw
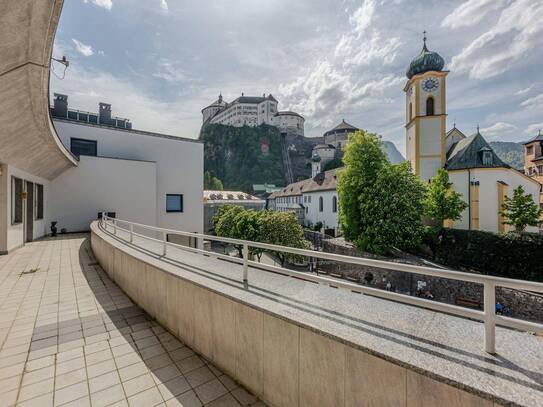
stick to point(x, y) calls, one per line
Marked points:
point(79, 146)
point(39, 201)
point(174, 202)
point(16, 201)
point(321, 204)
point(334, 204)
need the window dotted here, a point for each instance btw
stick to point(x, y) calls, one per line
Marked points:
point(16, 201)
point(430, 106)
point(39, 201)
point(334, 204)
point(81, 146)
point(410, 111)
point(540, 169)
point(321, 204)
point(529, 150)
point(174, 203)
point(309, 198)
point(487, 158)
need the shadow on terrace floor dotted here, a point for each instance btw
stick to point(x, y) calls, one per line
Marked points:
point(143, 351)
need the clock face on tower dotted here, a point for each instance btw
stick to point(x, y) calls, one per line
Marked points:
point(430, 85)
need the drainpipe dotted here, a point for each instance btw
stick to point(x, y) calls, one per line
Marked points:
point(469, 199)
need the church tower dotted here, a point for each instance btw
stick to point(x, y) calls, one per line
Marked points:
point(426, 113)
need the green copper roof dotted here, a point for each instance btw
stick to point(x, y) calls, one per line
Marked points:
point(467, 153)
point(424, 62)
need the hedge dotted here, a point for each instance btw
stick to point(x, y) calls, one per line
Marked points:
point(509, 255)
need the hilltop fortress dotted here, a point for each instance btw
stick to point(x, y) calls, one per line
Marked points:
point(253, 111)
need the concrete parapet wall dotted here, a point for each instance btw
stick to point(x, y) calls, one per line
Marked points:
point(280, 361)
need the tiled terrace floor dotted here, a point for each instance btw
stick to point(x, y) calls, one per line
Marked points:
point(70, 336)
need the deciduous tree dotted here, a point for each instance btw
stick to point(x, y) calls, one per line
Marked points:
point(441, 201)
point(521, 210)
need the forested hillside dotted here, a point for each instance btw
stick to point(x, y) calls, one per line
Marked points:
point(242, 156)
point(511, 153)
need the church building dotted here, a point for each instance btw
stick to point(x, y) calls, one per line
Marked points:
point(475, 170)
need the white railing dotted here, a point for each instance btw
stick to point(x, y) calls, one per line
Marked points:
point(487, 316)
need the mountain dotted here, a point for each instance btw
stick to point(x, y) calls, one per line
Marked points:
point(511, 153)
point(394, 156)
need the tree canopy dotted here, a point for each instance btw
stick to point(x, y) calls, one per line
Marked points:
point(212, 183)
point(279, 228)
point(441, 201)
point(521, 211)
point(380, 203)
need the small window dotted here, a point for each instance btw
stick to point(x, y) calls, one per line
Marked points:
point(321, 204)
point(529, 150)
point(430, 106)
point(16, 201)
point(410, 111)
point(39, 201)
point(174, 203)
point(334, 204)
point(487, 158)
point(80, 146)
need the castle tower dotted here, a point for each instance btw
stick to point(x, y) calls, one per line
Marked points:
point(426, 113)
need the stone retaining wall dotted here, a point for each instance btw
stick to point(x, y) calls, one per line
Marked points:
point(522, 304)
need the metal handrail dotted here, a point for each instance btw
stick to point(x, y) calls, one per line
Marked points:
point(488, 315)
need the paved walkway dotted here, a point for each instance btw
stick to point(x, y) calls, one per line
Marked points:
point(70, 336)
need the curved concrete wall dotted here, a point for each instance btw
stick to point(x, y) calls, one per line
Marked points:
point(280, 361)
point(28, 140)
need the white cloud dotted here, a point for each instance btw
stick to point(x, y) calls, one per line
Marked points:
point(342, 84)
point(535, 101)
point(516, 34)
point(83, 49)
point(534, 128)
point(498, 130)
point(170, 72)
point(524, 91)
point(471, 12)
point(164, 5)
point(106, 4)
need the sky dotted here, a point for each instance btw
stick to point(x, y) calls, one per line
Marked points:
point(159, 62)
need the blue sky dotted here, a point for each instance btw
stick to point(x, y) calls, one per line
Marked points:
point(159, 62)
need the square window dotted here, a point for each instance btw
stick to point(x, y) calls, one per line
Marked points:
point(80, 146)
point(174, 203)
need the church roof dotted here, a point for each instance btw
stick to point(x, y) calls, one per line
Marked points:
point(426, 61)
point(467, 153)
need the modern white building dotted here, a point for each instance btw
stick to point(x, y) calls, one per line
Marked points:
point(133, 174)
point(475, 170)
point(253, 111)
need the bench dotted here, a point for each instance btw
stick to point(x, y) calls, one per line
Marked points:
point(467, 302)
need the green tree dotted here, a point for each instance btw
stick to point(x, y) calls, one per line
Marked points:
point(441, 201)
point(212, 183)
point(380, 203)
point(225, 221)
point(282, 228)
point(521, 210)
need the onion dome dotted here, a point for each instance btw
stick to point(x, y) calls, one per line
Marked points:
point(425, 61)
point(315, 157)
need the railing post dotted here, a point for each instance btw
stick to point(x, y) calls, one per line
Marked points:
point(490, 316)
point(114, 226)
point(131, 233)
point(245, 262)
point(164, 240)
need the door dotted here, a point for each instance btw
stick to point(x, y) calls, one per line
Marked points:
point(29, 221)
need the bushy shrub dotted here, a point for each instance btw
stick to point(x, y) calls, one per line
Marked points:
point(511, 255)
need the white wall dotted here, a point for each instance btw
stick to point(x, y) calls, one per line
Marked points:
point(104, 184)
point(313, 215)
point(488, 194)
point(179, 166)
point(14, 234)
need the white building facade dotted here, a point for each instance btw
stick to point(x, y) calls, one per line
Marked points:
point(253, 111)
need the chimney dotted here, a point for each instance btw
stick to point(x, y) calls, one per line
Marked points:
point(104, 113)
point(60, 105)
